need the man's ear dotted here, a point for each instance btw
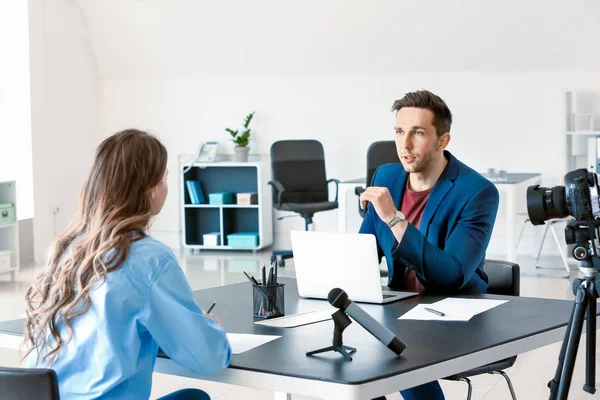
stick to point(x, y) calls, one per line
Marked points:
point(443, 142)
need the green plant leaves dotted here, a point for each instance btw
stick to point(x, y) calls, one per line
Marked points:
point(243, 139)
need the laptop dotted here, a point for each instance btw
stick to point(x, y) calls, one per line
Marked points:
point(349, 261)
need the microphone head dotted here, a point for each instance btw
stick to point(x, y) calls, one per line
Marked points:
point(337, 297)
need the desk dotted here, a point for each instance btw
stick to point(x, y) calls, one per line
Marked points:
point(435, 349)
point(514, 187)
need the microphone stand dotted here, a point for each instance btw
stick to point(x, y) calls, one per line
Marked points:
point(340, 322)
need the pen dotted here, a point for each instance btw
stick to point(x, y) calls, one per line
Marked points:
point(270, 277)
point(250, 278)
point(211, 307)
point(275, 271)
point(431, 310)
point(263, 271)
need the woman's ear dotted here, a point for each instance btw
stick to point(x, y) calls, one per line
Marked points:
point(153, 193)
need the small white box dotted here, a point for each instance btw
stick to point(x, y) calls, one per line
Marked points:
point(244, 199)
point(211, 239)
point(5, 260)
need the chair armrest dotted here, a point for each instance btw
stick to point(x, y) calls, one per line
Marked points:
point(358, 190)
point(337, 186)
point(280, 190)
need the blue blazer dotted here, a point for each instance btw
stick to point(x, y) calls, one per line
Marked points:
point(448, 250)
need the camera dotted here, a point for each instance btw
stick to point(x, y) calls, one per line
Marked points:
point(578, 198)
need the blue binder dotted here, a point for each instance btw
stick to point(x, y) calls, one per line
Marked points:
point(195, 192)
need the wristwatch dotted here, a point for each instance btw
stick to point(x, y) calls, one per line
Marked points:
point(398, 218)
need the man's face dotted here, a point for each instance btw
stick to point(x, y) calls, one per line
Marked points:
point(416, 139)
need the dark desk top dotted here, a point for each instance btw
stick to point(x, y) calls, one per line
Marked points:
point(429, 342)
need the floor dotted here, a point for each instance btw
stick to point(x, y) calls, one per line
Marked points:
point(529, 375)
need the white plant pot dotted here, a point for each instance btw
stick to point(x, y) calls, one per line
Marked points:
point(240, 154)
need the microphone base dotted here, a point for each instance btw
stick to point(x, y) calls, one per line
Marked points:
point(340, 322)
point(343, 350)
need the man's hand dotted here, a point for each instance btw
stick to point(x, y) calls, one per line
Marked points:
point(213, 317)
point(381, 199)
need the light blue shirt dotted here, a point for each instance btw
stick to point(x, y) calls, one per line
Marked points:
point(146, 303)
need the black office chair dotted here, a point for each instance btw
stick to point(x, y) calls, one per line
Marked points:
point(300, 183)
point(378, 153)
point(28, 384)
point(503, 279)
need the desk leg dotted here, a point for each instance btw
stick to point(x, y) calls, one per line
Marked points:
point(282, 396)
point(511, 213)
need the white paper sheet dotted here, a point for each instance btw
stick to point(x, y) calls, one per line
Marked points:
point(293, 320)
point(241, 342)
point(455, 309)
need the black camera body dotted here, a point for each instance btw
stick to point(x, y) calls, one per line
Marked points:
point(578, 198)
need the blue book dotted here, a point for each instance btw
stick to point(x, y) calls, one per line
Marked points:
point(192, 193)
point(198, 192)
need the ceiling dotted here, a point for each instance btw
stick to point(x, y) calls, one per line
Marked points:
point(175, 38)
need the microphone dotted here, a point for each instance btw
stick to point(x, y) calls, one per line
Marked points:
point(339, 299)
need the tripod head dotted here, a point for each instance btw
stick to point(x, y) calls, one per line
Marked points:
point(583, 235)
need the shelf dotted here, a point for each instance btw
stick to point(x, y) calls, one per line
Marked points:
point(202, 247)
point(220, 206)
point(200, 219)
point(11, 269)
point(584, 133)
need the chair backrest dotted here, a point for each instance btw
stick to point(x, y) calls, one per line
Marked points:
point(504, 277)
point(28, 384)
point(300, 167)
point(379, 153)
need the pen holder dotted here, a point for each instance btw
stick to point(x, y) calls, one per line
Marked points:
point(267, 301)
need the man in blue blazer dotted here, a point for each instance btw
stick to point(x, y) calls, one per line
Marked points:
point(431, 214)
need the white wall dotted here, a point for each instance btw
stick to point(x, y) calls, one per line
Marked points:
point(15, 112)
point(187, 69)
point(509, 121)
point(65, 113)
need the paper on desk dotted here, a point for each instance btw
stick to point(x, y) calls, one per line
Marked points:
point(241, 342)
point(456, 309)
point(290, 321)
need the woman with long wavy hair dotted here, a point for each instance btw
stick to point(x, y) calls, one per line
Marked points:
point(111, 294)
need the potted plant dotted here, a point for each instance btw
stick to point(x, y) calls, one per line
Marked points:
point(241, 140)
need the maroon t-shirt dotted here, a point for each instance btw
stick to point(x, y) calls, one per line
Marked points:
point(413, 204)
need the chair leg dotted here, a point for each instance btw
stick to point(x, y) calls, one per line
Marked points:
point(537, 259)
point(550, 225)
point(560, 250)
point(508, 382)
point(470, 387)
point(521, 233)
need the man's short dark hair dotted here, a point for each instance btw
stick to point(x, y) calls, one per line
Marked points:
point(442, 117)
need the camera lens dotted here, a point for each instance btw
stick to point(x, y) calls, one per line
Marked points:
point(546, 203)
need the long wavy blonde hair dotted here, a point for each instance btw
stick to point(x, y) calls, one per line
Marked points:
point(114, 211)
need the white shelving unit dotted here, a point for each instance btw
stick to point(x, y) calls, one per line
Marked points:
point(582, 119)
point(236, 177)
point(9, 234)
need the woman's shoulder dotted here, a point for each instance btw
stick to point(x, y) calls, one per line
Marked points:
point(148, 256)
point(148, 246)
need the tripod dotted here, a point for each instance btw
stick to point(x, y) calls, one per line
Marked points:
point(340, 322)
point(586, 292)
